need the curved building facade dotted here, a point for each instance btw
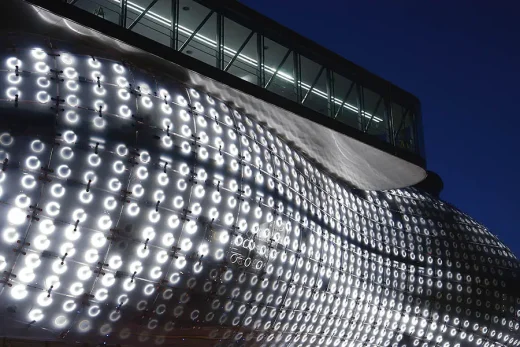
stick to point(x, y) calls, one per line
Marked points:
point(139, 211)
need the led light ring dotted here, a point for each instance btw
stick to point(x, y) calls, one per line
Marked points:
point(64, 171)
point(122, 82)
point(66, 58)
point(32, 162)
point(43, 97)
point(13, 62)
point(137, 190)
point(28, 182)
point(182, 185)
point(43, 82)
point(96, 64)
point(122, 151)
point(146, 102)
point(133, 209)
point(166, 109)
point(13, 78)
point(10, 235)
point(123, 94)
point(110, 203)
point(95, 75)
point(12, 92)
point(166, 141)
point(99, 104)
point(38, 53)
point(41, 67)
point(125, 111)
point(70, 73)
point(184, 115)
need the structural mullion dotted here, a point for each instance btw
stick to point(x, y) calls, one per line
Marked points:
point(123, 12)
point(360, 106)
point(390, 120)
point(297, 67)
point(196, 31)
point(331, 105)
point(239, 50)
point(174, 39)
point(220, 42)
point(261, 59)
point(142, 14)
point(313, 84)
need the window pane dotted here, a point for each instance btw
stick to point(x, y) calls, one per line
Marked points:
point(203, 45)
point(279, 63)
point(317, 96)
point(245, 64)
point(345, 101)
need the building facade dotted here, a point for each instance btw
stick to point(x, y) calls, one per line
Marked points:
point(176, 173)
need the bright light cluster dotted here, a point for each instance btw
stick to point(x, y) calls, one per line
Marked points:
point(136, 208)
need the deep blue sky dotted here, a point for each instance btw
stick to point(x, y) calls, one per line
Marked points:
point(461, 58)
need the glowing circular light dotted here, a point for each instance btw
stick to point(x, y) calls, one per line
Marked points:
point(41, 67)
point(10, 235)
point(118, 68)
point(96, 64)
point(72, 100)
point(70, 73)
point(35, 315)
point(43, 82)
point(124, 111)
point(146, 102)
point(19, 292)
point(13, 79)
point(12, 92)
point(13, 62)
point(64, 171)
point(43, 97)
point(28, 182)
point(16, 216)
point(38, 53)
point(66, 58)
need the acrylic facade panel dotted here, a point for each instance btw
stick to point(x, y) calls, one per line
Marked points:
point(137, 211)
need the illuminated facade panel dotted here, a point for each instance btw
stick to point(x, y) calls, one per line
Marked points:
point(139, 211)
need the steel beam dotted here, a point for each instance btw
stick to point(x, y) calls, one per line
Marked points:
point(239, 50)
point(344, 99)
point(373, 113)
point(313, 84)
point(195, 32)
point(142, 14)
point(278, 68)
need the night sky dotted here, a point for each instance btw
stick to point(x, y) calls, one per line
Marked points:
point(461, 59)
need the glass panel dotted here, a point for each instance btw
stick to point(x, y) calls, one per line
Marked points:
point(279, 63)
point(345, 100)
point(153, 24)
point(203, 45)
point(245, 64)
point(404, 127)
point(317, 97)
point(102, 8)
point(374, 115)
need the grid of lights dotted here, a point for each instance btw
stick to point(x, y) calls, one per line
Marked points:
point(244, 58)
point(130, 197)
